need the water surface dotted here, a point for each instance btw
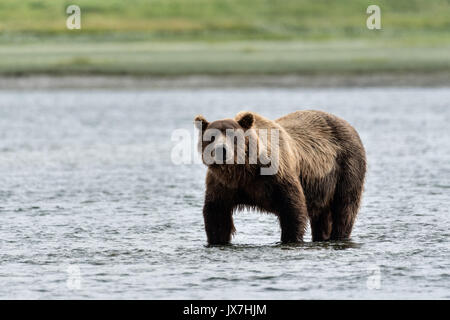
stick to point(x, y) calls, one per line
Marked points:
point(92, 206)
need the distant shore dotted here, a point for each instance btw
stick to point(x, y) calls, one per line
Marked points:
point(48, 82)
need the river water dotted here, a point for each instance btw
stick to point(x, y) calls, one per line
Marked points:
point(92, 206)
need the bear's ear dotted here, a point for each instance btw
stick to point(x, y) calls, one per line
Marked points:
point(200, 122)
point(246, 120)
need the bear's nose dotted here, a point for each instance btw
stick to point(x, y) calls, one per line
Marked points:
point(221, 154)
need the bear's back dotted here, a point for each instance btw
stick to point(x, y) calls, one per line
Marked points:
point(319, 138)
point(312, 126)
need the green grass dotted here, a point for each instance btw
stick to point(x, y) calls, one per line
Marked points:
point(275, 57)
point(226, 19)
point(169, 37)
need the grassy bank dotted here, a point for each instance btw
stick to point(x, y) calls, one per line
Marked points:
point(278, 57)
point(178, 37)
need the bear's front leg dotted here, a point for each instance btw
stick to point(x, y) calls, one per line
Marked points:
point(290, 205)
point(218, 217)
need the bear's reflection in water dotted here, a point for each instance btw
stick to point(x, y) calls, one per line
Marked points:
point(335, 245)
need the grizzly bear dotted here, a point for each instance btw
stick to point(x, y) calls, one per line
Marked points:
point(320, 172)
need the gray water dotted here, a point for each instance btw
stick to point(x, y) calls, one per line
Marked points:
point(91, 205)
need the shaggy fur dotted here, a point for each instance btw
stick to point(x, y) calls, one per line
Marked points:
point(320, 178)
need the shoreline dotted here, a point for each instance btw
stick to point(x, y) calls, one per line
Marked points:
point(45, 81)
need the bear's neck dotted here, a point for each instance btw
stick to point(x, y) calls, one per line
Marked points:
point(234, 175)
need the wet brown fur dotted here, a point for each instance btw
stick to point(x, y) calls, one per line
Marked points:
point(320, 178)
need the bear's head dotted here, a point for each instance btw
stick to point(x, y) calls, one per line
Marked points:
point(228, 141)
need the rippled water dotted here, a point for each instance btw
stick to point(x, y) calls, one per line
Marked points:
point(91, 205)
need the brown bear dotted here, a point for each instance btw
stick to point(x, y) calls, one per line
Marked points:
point(320, 174)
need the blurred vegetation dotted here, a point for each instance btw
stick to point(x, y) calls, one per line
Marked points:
point(223, 36)
point(265, 57)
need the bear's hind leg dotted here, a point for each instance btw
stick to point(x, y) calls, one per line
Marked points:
point(321, 224)
point(344, 210)
point(344, 216)
point(347, 197)
point(292, 226)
